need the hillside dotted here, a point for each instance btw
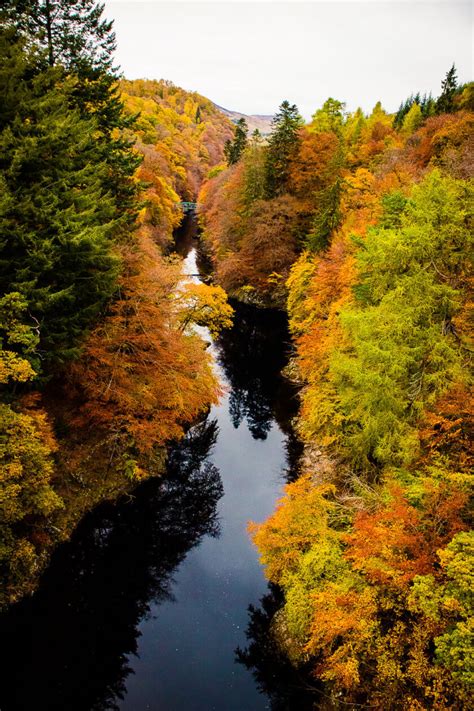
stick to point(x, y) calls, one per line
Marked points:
point(263, 123)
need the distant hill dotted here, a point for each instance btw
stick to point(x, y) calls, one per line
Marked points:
point(263, 123)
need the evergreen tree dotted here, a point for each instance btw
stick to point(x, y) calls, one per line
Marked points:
point(282, 146)
point(57, 220)
point(257, 138)
point(72, 32)
point(74, 37)
point(427, 105)
point(233, 149)
point(254, 170)
point(445, 103)
point(328, 215)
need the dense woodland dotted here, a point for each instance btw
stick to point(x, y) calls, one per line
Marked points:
point(99, 365)
point(361, 227)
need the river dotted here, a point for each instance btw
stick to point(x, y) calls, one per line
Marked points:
point(147, 604)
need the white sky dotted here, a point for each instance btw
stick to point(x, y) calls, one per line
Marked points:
point(249, 56)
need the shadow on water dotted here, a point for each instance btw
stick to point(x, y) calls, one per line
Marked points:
point(253, 354)
point(67, 646)
point(287, 688)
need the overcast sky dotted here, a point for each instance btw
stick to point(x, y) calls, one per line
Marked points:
point(249, 56)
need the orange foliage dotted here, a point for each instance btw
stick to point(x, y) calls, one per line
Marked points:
point(449, 428)
point(183, 129)
point(266, 250)
point(310, 169)
point(398, 541)
point(140, 377)
point(445, 140)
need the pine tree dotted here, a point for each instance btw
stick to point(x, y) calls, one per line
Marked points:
point(75, 38)
point(282, 145)
point(72, 32)
point(233, 150)
point(57, 221)
point(445, 103)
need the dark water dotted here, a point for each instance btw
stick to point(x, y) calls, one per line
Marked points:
point(146, 606)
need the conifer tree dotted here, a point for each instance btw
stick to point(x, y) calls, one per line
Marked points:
point(57, 221)
point(233, 149)
point(75, 38)
point(72, 32)
point(282, 146)
point(445, 103)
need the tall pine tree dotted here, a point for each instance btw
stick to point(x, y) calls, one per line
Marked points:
point(75, 38)
point(445, 102)
point(282, 146)
point(233, 150)
point(57, 220)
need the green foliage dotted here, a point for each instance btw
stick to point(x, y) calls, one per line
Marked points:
point(18, 341)
point(329, 118)
point(56, 218)
point(445, 102)
point(412, 120)
point(426, 105)
point(450, 603)
point(393, 205)
point(26, 494)
point(254, 171)
point(282, 146)
point(71, 32)
point(79, 43)
point(234, 149)
point(328, 215)
point(403, 353)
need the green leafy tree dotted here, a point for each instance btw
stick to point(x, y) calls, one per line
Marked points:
point(72, 32)
point(404, 349)
point(282, 146)
point(327, 214)
point(254, 170)
point(412, 120)
point(330, 117)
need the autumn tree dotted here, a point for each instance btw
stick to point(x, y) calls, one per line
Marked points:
point(143, 374)
point(27, 444)
point(328, 121)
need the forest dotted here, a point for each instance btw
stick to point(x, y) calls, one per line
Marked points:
point(361, 227)
point(100, 366)
point(357, 226)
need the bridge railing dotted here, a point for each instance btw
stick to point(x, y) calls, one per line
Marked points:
point(188, 206)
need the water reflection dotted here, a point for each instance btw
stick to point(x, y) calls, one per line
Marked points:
point(288, 688)
point(252, 354)
point(134, 614)
point(68, 645)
